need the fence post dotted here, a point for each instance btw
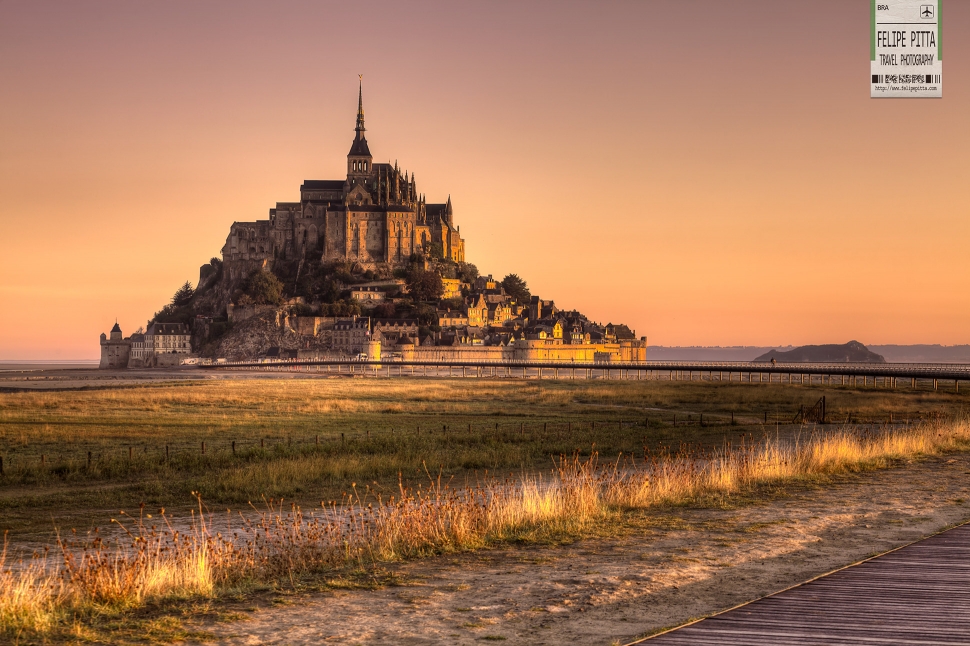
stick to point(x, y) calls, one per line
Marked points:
point(203, 448)
point(234, 447)
point(1, 465)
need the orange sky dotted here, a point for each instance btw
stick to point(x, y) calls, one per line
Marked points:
point(710, 173)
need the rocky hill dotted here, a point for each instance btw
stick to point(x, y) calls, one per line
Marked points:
point(851, 352)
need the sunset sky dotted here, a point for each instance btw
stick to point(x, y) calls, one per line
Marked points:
point(708, 172)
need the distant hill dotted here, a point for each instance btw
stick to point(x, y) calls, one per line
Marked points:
point(851, 352)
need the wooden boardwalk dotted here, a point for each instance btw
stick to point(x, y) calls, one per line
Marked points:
point(918, 594)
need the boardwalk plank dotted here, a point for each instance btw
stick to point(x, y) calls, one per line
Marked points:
point(918, 595)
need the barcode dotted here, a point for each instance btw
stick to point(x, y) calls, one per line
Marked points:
point(907, 78)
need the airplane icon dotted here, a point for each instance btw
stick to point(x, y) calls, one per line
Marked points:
point(926, 11)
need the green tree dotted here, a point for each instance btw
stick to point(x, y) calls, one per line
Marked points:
point(516, 288)
point(264, 288)
point(184, 295)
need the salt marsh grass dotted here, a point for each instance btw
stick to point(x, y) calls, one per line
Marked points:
point(275, 542)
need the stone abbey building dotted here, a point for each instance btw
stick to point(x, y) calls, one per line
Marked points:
point(376, 215)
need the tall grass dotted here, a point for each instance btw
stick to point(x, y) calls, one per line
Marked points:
point(277, 542)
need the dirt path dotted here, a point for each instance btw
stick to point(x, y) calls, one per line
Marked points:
point(682, 564)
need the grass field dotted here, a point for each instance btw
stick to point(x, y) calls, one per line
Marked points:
point(70, 453)
point(404, 450)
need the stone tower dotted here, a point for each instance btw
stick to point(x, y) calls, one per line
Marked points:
point(115, 350)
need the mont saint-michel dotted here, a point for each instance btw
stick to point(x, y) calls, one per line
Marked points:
point(360, 267)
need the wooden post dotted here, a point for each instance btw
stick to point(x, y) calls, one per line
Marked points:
point(129, 454)
point(1, 465)
point(262, 443)
point(316, 440)
point(166, 456)
point(234, 447)
point(203, 448)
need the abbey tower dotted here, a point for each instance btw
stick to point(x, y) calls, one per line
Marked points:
point(375, 215)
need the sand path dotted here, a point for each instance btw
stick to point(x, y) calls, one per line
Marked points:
point(681, 564)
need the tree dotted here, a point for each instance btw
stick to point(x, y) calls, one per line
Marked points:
point(264, 288)
point(467, 272)
point(425, 285)
point(184, 295)
point(516, 288)
point(385, 311)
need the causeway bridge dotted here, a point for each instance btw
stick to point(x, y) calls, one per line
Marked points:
point(886, 375)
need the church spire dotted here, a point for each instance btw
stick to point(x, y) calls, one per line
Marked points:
point(360, 107)
point(359, 148)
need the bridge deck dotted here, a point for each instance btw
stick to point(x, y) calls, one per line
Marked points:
point(919, 594)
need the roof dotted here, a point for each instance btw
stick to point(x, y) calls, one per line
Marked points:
point(359, 148)
point(322, 185)
point(391, 322)
point(623, 332)
point(168, 328)
point(435, 209)
point(116, 328)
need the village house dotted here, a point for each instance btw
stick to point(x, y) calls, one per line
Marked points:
point(367, 294)
point(451, 318)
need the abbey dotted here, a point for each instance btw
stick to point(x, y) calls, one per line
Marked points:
point(376, 215)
